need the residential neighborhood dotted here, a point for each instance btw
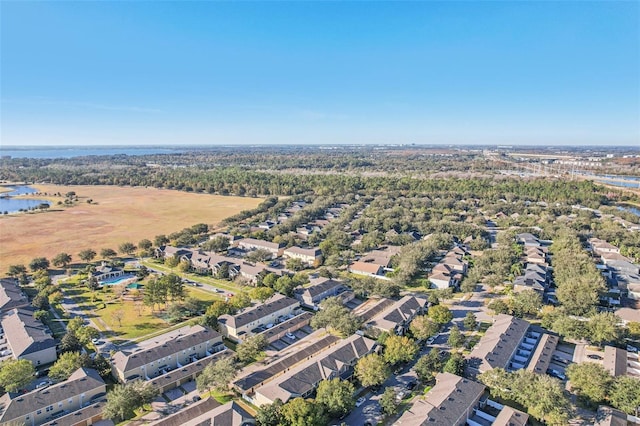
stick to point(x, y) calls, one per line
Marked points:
point(271, 322)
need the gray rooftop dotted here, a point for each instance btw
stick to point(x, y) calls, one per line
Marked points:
point(11, 295)
point(162, 346)
point(81, 381)
point(271, 305)
point(25, 334)
point(445, 404)
point(498, 344)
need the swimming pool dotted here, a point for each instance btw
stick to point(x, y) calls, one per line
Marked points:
point(119, 280)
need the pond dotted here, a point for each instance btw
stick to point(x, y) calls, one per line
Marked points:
point(630, 209)
point(9, 204)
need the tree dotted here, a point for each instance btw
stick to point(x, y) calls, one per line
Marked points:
point(541, 394)
point(127, 248)
point(440, 314)
point(118, 315)
point(603, 328)
point(295, 264)
point(62, 260)
point(16, 374)
point(217, 244)
point(66, 364)
point(261, 293)
point(250, 348)
point(87, 255)
point(336, 395)
point(389, 402)
point(102, 365)
point(422, 327)
point(122, 400)
point(333, 314)
point(41, 315)
point(470, 321)
point(240, 300)
point(145, 244)
point(499, 306)
point(624, 394)
point(40, 302)
point(107, 253)
point(217, 375)
point(160, 240)
point(39, 263)
point(302, 412)
point(428, 366)
point(70, 342)
point(633, 328)
point(456, 338)
point(175, 313)
point(371, 370)
point(590, 381)
point(269, 415)
point(171, 261)
point(399, 349)
point(16, 270)
point(284, 285)
point(527, 302)
point(455, 364)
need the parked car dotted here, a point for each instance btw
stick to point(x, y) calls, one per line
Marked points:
point(431, 339)
point(44, 384)
point(557, 374)
point(411, 385)
point(290, 336)
point(594, 356)
point(360, 401)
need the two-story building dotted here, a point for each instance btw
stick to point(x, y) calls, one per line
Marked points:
point(397, 317)
point(11, 295)
point(240, 325)
point(309, 256)
point(456, 401)
point(39, 406)
point(249, 244)
point(28, 338)
point(300, 381)
point(158, 355)
point(318, 290)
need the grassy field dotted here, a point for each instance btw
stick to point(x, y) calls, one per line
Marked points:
point(137, 320)
point(119, 214)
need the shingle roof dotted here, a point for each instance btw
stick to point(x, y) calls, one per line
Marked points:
point(259, 243)
point(25, 334)
point(187, 415)
point(11, 295)
point(313, 251)
point(369, 268)
point(400, 311)
point(541, 358)
point(271, 305)
point(320, 286)
point(81, 381)
point(255, 378)
point(510, 417)
point(615, 361)
point(495, 348)
point(307, 375)
point(162, 346)
point(445, 404)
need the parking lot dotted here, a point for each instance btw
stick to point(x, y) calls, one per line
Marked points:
point(287, 341)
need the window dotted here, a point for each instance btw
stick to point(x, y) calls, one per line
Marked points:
point(49, 408)
point(59, 404)
point(70, 401)
point(39, 412)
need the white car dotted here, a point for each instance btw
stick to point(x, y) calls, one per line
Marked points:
point(44, 384)
point(431, 339)
point(290, 336)
point(360, 401)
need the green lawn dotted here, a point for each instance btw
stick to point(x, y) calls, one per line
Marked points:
point(203, 279)
point(137, 320)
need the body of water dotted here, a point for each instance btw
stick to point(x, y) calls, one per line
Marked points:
point(630, 209)
point(79, 151)
point(9, 204)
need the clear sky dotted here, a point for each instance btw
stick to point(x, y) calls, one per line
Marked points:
point(426, 72)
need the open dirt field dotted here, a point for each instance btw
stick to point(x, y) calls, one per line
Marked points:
point(120, 214)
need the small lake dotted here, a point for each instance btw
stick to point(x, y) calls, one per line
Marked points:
point(8, 204)
point(630, 209)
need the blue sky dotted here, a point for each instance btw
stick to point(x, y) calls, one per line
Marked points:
point(453, 72)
